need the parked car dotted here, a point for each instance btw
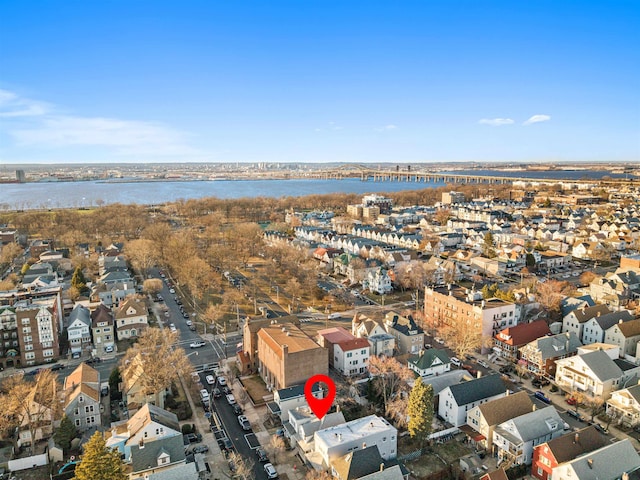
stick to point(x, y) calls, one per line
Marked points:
point(210, 380)
point(197, 344)
point(104, 391)
point(540, 382)
point(192, 438)
point(542, 397)
point(222, 381)
point(574, 414)
point(231, 400)
point(200, 449)
point(439, 340)
point(192, 328)
point(225, 444)
point(482, 363)
point(570, 400)
point(172, 327)
point(600, 428)
point(237, 409)
point(216, 392)
point(56, 366)
point(455, 361)
point(189, 323)
point(262, 455)
point(108, 349)
point(270, 470)
point(244, 422)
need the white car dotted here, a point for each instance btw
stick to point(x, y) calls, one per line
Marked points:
point(210, 380)
point(222, 381)
point(483, 363)
point(189, 323)
point(231, 400)
point(270, 470)
point(172, 327)
point(197, 344)
point(439, 340)
point(172, 290)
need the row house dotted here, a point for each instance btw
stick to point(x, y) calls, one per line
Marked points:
point(459, 308)
point(595, 328)
point(507, 342)
point(9, 344)
point(540, 355)
point(575, 320)
point(594, 373)
point(515, 439)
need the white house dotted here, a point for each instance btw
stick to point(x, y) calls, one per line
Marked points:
point(625, 335)
point(455, 400)
point(79, 329)
point(594, 373)
point(287, 399)
point(594, 329)
point(514, 439)
point(339, 440)
point(610, 462)
point(624, 406)
point(131, 318)
point(430, 362)
point(377, 281)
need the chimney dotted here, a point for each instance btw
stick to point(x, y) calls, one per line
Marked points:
point(364, 445)
point(337, 408)
point(382, 468)
point(533, 408)
point(576, 438)
point(590, 462)
point(598, 314)
point(285, 349)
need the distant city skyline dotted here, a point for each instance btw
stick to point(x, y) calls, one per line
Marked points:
point(319, 81)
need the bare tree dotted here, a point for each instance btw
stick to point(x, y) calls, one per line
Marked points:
point(314, 474)
point(142, 254)
point(595, 405)
point(242, 466)
point(152, 285)
point(31, 405)
point(157, 360)
point(550, 293)
point(389, 377)
point(275, 448)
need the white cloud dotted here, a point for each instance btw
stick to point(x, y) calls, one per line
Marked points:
point(537, 119)
point(387, 128)
point(496, 122)
point(41, 127)
point(11, 105)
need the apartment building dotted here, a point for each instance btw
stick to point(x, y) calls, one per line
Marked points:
point(464, 309)
point(37, 323)
point(287, 356)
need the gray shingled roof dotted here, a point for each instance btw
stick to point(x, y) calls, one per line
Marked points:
point(602, 366)
point(558, 345)
point(296, 391)
point(147, 457)
point(534, 424)
point(477, 389)
point(609, 320)
point(607, 463)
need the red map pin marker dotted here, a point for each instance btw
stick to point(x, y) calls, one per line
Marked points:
point(320, 406)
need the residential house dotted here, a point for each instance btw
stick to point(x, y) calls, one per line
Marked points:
point(112, 294)
point(594, 329)
point(540, 355)
point(131, 318)
point(79, 329)
point(625, 335)
point(624, 406)
point(302, 426)
point(594, 373)
point(507, 342)
point(380, 342)
point(464, 309)
point(515, 439)
point(610, 462)
point(574, 320)
point(549, 455)
point(290, 398)
point(377, 281)
point(151, 442)
point(456, 400)
point(348, 354)
point(568, 304)
point(102, 329)
point(367, 463)
point(484, 418)
point(116, 277)
point(408, 335)
point(81, 400)
point(135, 390)
point(108, 263)
point(616, 288)
point(429, 362)
point(37, 413)
point(287, 356)
point(331, 443)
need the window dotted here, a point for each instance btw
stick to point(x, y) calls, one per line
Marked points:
point(91, 420)
point(349, 354)
point(77, 411)
point(363, 352)
point(77, 422)
point(88, 409)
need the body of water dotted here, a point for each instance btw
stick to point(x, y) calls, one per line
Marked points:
point(25, 196)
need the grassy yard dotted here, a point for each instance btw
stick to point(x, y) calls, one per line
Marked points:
point(256, 388)
point(436, 458)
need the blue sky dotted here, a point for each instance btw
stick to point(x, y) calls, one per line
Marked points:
point(319, 81)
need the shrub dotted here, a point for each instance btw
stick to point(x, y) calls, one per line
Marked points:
point(186, 428)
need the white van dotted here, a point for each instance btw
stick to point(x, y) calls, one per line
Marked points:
point(204, 396)
point(334, 315)
point(455, 361)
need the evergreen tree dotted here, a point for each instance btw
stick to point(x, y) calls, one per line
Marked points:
point(78, 281)
point(99, 462)
point(420, 411)
point(66, 432)
point(488, 247)
point(114, 381)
